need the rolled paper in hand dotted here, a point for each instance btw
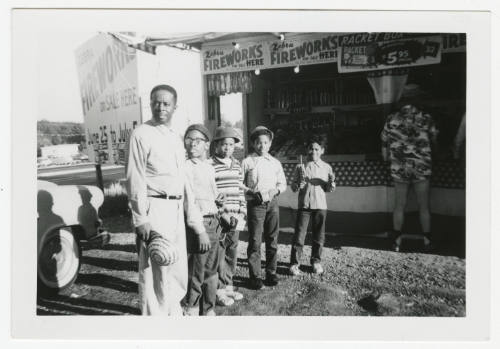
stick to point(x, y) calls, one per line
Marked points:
point(331, 177)
point(302, 173)
point(331, 181)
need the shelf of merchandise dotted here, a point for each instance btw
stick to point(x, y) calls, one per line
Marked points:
point(324, 109)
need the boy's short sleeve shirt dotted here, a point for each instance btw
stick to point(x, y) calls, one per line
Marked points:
point(263, 173)
point(313, 196)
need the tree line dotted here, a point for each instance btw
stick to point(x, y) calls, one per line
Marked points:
point(54, 133)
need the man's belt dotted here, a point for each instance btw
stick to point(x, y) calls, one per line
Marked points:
point(166, 197)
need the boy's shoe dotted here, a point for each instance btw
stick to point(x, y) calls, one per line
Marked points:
point(317, 268)
point(211, 312)
point(272, 279)
point(191, 311)
point(294, 270)
point(395, 236)
point(255, 283)
point(223, 299)
point(230, 292)
point(428, 243)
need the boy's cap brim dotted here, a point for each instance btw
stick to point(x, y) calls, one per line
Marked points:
point(200, 128)
point(226, 132)
point(261, 130)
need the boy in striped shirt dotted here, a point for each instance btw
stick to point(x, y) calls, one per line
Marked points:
point(229, 181)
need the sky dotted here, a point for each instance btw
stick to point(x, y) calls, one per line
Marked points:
point(59, 92)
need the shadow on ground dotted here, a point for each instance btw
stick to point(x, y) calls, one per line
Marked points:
point(444, 246)
point(107, 281)
point(65, 305)
point(110, 263)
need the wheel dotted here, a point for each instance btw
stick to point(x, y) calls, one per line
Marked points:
point(59, 259)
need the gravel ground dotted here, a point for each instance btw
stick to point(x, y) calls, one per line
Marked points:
point(357, 281)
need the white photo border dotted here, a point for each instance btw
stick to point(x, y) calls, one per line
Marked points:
point(27, 24)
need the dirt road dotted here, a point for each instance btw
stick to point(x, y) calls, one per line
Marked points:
point(357, 281)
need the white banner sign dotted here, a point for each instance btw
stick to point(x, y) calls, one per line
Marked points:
point(107, 70)
point(303, 50)
point(317, 48)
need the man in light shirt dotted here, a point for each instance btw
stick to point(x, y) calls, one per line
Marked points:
point(265, 180)
point(159, 196)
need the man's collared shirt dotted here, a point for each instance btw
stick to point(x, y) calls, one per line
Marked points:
point(263, 173)
point(155, 166)
point(201, 175)
point(313, 196)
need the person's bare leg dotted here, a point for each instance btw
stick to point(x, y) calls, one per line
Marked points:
point(422, 189)
point(398, 216)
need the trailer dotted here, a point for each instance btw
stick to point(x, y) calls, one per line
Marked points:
point(116, 77)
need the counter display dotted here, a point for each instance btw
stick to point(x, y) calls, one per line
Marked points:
point(348, 110)
point(341, 109)
point(446, 174)
point(345, 131)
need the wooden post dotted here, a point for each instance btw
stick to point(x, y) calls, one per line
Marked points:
point(98, 172)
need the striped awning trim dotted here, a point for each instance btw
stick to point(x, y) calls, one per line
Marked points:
point(145, 47)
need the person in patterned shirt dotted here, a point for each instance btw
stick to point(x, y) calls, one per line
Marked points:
point(407, 141)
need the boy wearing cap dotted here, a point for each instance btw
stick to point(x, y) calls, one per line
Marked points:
point(203, 256)
point(229, 180)
point(264, 180)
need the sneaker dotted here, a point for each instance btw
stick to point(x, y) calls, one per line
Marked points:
point(231, 292)
point(395, 236)
point(272, 279)
point(428, 243)
point(223, 299)
point(396, 245)
point(191, 311)
point(255, 283)
point(294, 270)
point(317, 268)
point(211, 312)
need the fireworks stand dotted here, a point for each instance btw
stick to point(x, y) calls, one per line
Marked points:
point(342, 86)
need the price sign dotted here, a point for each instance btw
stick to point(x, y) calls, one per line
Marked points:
point(386, 55)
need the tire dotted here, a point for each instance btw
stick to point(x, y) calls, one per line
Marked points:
point(59, 260)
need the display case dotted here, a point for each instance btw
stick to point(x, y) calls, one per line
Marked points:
point(340, 109)
point(346, 131)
